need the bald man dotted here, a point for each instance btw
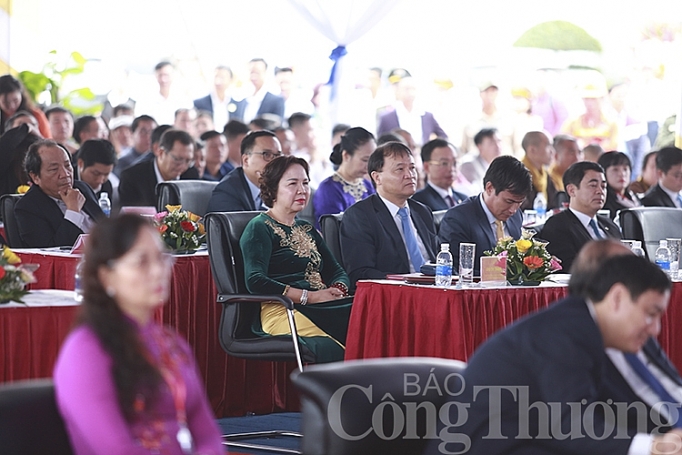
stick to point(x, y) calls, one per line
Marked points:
point(539, 153)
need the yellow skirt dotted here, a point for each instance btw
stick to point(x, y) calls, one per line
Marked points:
point(274, 320)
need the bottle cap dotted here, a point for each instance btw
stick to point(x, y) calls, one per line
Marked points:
point(444, 246)
point(103, 194)
point(663, 243)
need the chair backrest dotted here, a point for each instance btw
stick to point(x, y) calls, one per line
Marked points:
point(438, 217)
point(7, 203)
point(330, 225)
point(30, 423)
point(651, 224)
point(236, 333)
point(193, 195)
point(342, 399)
point(308, 212)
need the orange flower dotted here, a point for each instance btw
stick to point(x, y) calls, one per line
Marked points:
point(163, 228)
point(533, 262)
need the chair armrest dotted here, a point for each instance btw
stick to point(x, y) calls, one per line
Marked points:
point(252, 298)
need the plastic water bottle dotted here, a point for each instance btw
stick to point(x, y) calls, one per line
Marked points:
point(540, 206)
point(105, 203)
point(444, 266)
point(663, 256)
point(78, 282)
point(637, 248)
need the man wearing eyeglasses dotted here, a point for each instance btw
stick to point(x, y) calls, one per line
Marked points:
point(174, 157)
point(440, 166)
point(239, 190)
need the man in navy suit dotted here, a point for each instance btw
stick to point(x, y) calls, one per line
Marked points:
point(219, 102)
point(388, 232)
point(538, 386)
point(440, 166)
point(239, 191)
point(57, 208)
point(493, 214)
point(569, 230)
point(666, 192)
point(262, 101)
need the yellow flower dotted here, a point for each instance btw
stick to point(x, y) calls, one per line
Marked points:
point(11, 256)
point(193, 217)
point(22, 189)
point(523, 245)
point(173, 208)
point(202, 230)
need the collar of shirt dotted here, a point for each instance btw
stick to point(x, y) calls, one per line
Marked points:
point(258, 96)
point(486, 210)
point(442, 192)
point(215, 100)
point(255, 191)
point(392, 208)
point(584, 220)
point(157, 172)
point(673, 195)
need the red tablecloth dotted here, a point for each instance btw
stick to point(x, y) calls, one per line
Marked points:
point(449, 323)
point(234, 386)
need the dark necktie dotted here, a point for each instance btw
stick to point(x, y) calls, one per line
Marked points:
point(450, 201)
point(648, 377)
point(410, 240)
point(595, 228)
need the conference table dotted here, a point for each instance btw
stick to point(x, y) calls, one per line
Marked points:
point(31, 335)
point(423, 320)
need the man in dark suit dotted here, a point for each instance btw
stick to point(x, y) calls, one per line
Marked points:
point(219, 102)
point(408, 112)
point(57, 209)
point(537, 386)
point(623, 384)
point(96, 160)
point(262, 101)
point(171, 162)
point(388, 232)
point(493, 214)
point(239, 190)
point(666, 193)
point(569, 230)
point(440, 166)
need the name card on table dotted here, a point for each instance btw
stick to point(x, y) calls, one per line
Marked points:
point(493, 271)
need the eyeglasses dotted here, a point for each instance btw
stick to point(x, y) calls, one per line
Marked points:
point(145, 262)
point(443, 163)
point(268, 155)
point(178, 160)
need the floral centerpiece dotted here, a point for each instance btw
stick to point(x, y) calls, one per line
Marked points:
point(528, 261)
point(14, 277)
point(180, 229)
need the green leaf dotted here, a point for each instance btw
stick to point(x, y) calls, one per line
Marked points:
point(558, 36)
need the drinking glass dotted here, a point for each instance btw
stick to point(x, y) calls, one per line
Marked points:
point(467, 252)
point(674, 247)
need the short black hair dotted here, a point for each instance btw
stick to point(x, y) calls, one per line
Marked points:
point(576, 172)
point(340, 128)
point(506, 173)
point(485, 132)
point(250, 140)
point(158, 132)
point(637, 274)
point(378, 156)
point(390, 137)
point(429, 147)
point(125, 107)
point(668, 157)
point(235, 128)
point(259, 60)
point(95, 151)
point(647, 157)
point(81, 124)
point(298, 118)
point(16, 115)
point(141, 118)
point(609, 159)
point(272, 174)
point(171, 136)
point(284, 69)
point(162, 64)
point(225, 68)
point(266, 122)
point(209, 135)
point(33, 162)
point(56, 110)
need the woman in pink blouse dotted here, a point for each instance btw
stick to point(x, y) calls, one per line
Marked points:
point(124, 384)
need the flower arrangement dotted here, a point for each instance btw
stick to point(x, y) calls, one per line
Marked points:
point(180, 229)
point(527, 259)
point(14, 277)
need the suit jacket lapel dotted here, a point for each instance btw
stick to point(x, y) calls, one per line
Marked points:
point(246, 194)
point(653, 352)
point(388, 223)
point(482, 220)
point(422, 230)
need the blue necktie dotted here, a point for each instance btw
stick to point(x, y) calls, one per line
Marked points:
point(595, 228)
point(648, 377)
point(679, 200)
point(410, 240)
